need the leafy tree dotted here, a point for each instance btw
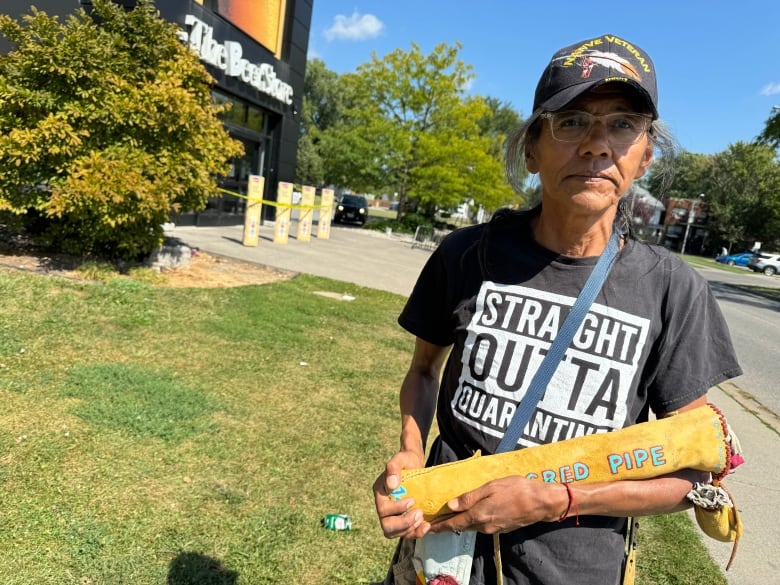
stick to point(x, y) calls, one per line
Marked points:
point(323, 97)
point(771, 132)
point(309, 169)
point(323, 108)
point(408, 128)
point(105, 128)
point(691, 173)
point(499, 123)
point(742, 192)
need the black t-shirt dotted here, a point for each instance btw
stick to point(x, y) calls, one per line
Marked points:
point(654, 338)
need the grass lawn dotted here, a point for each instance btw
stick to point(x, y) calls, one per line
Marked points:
point(157, 436)
point(381, 213)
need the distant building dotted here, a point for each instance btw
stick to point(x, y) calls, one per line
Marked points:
point(256, 51)
point(646, 214)
point(685, 225)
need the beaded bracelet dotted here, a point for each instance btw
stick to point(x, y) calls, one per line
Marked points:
point(572, 503)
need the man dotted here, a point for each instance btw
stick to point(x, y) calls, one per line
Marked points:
point(491, 300)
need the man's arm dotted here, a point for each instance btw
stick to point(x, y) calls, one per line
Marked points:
point(661, 495)
point(418, 395)
point(513, 502)
point(419, 390)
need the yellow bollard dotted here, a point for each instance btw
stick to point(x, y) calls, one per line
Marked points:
point(283, 209)
point(306, 214)
point(326, 208)
point(254, 207)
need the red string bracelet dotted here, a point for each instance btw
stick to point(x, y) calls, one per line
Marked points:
point(572, 503)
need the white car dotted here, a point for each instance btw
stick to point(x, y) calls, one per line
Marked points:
point(768, 263)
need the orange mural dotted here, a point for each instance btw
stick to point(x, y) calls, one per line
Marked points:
point(260, 19)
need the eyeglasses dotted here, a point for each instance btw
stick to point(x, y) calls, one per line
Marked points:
point(574, 125)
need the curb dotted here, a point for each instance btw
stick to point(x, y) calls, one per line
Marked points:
point(767, 417)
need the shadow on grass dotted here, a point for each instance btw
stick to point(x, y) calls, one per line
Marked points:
point(189, 568)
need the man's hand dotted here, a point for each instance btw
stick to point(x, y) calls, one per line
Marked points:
point(503, 505)
point(395, 516)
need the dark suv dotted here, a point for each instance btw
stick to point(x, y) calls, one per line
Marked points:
point(351, 208)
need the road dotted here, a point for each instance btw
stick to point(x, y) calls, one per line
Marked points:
point(754, 322)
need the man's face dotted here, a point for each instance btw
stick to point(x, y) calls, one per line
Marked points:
point(592, 174)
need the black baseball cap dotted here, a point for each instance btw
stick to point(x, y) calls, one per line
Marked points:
point(588, 64)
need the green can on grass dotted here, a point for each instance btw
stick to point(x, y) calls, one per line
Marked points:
point(337, 522)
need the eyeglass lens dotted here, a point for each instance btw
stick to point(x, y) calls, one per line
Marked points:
point(573, 126)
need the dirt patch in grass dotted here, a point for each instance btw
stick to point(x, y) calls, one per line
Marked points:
point(207, 271)
point(204, 271)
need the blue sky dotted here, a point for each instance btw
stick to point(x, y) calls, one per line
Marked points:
point(718, 63)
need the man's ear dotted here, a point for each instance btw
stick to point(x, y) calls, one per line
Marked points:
point(647, 158)
point(530, 160)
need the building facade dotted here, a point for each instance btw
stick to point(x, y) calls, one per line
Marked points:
point(256, 52)
point(686, 227)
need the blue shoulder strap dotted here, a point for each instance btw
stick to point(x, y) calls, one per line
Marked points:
point(559, 346)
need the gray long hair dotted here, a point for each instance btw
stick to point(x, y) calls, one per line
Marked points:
point(665, 144)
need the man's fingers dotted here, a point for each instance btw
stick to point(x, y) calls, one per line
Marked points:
point(466, 501)
point(396, 526)
point(392, 482)
point(390, 507)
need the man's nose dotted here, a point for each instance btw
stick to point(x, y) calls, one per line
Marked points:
point(596, 140)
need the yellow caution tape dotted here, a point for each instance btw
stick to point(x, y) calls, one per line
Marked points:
point(272, 203)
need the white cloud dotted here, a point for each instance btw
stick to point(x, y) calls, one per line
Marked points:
point(771, 89)
point(354, 28)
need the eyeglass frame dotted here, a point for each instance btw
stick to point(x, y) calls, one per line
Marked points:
point(593, 118)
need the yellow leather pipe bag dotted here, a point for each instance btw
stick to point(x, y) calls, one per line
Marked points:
point(695, 439)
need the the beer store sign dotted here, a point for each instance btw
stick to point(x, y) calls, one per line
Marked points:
point(227, 56)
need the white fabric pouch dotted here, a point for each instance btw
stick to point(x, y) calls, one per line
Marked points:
point(445, 553)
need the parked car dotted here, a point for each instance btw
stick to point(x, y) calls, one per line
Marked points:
point(768, 263)
point(735, 259)
point(352, 208)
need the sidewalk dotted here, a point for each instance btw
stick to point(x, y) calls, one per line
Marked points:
point(364, 257)
point(376, 260)
point(756, 490)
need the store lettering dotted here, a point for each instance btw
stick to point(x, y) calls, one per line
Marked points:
point(228, 57)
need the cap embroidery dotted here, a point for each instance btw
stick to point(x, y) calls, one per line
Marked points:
point(631, 49)
point(608, 60)
point(587, 66)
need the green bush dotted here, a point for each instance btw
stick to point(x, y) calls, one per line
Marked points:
point(105, 129)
